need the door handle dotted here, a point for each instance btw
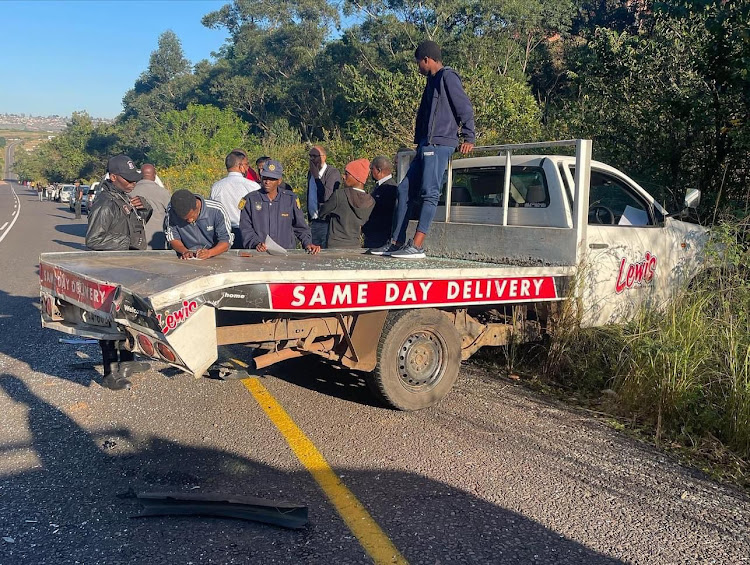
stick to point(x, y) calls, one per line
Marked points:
point(598, 245)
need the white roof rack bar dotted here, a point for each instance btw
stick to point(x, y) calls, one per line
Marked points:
point(534, 145)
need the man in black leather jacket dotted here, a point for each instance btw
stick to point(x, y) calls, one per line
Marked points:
point(117, 223)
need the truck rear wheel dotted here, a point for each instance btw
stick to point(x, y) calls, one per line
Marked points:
point(419, 356)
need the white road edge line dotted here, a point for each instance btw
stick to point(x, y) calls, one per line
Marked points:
point(17, 213)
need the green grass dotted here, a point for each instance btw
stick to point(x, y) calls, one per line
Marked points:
point(683, 372)
point(680, 376)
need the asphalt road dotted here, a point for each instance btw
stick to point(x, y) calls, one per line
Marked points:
point(494, 474)
point(10, 157)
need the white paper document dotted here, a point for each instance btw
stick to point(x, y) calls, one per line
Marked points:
point(273, 248)
point(633, 217)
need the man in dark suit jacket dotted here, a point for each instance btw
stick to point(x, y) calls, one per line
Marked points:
point(322, 180)
point(377, 230)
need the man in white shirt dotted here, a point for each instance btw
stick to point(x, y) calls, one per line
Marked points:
point(232, 189)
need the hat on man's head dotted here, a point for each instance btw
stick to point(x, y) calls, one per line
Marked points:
point(272, 169)
point(359, 169)
point(123, 166)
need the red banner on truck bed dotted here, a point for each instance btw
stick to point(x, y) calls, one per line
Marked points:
point(67, 285)
point(402, 294)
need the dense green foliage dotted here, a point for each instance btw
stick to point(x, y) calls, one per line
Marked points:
point(662, 88)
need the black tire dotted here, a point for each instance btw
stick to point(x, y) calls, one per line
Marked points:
point(419, 356)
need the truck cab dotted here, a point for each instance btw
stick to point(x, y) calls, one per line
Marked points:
point(630, 251)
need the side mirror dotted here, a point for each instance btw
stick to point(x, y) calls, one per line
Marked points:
point(692, 198)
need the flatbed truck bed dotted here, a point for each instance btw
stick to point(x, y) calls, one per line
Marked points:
point(498, 268)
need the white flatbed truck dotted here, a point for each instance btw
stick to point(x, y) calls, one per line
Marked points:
point(516, 236)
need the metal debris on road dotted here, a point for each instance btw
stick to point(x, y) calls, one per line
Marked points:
point(282, 514)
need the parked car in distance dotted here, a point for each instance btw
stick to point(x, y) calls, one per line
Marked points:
point(84, 199)
point(66, 192)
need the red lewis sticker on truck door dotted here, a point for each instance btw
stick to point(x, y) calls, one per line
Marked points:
point(635, 274)
point(403, 294)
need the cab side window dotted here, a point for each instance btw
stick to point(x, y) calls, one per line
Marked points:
point(612, 202)
point(484, 187)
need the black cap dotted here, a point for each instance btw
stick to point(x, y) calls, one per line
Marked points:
point(428, 49)
point(123, 166)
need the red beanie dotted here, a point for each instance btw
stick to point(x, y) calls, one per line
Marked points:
point(359, 169)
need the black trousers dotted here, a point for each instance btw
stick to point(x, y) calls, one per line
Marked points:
point(110, 355)
point(237, 239)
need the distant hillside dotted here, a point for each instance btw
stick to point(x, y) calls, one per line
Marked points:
point(24, 122)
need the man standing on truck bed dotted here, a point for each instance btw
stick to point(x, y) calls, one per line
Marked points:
point(443, 111)
point(117, 223)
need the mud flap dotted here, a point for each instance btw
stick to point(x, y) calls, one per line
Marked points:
point(194, 341)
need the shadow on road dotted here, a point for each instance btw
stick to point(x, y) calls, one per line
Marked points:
point(315, 374)
point(24, 339)
point(78, 230)
point(74, 245)
point(428, 521)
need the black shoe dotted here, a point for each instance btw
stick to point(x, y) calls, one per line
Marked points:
point(384, 250)
point(134, 367)
point(115, 381)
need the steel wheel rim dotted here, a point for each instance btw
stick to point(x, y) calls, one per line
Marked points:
point(421, 360)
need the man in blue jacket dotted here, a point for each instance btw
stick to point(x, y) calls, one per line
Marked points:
point(275, 213)
point(444, 111)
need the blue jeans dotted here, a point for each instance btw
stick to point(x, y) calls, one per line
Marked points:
point(422, 184)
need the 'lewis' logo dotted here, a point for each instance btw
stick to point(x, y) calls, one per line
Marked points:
point(636, 273)
point(171, 321)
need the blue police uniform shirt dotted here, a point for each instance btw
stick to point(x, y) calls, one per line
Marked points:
point(211, 227)
point(280, 218)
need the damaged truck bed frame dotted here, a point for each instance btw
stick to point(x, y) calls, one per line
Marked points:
point(407, 323)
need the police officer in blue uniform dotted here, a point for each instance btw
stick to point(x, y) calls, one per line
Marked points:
point(275, 213)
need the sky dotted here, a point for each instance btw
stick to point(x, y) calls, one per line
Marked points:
point(61, 56)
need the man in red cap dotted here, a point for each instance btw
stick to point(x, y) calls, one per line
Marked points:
point(347, 210)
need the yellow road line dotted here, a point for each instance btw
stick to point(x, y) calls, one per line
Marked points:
point(373, 539)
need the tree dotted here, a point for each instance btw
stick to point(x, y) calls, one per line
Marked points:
point(269, 67)
point(668, 101)
point(165, 64)
point(164, 85)
point(184, 137)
